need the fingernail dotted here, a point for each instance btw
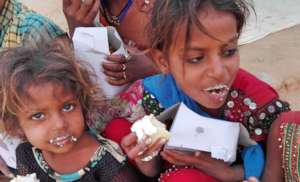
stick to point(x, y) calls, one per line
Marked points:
point(11, 175)
point(148, 141)
point(197, 154)
point(87, 2)
point(140, 153)
point(163, 141)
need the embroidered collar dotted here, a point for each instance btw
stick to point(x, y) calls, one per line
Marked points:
point(99, 153)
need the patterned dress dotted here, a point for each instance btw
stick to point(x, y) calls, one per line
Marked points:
point(106, 165)
point(289, 145)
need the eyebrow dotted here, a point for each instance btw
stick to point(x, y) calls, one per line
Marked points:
point(37, 109)
point(226, 43)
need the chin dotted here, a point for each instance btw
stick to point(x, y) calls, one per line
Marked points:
point(211, 106)
point(61, 150)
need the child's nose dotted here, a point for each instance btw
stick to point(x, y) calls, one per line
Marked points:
point(59, 121)
point(216, 68)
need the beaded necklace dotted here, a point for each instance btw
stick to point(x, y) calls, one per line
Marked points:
point(115, 20)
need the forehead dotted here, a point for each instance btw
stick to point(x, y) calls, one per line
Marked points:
point(37, 93)
point(219, 28)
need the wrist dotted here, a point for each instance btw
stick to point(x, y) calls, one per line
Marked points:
point(236, 173)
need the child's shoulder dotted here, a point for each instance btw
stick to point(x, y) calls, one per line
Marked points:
point(286, 120)
point(250, 85)
point(254, 103)
point(24, 148)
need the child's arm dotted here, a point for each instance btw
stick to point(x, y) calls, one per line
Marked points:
point(202, 160)
point(143, 154)
point(273, 170)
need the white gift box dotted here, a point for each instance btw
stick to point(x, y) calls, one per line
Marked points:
point(193, 132)
point(92, 44)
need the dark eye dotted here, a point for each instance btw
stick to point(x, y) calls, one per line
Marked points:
point(68, 107)
point(38, 116)
point(195, 60)
point(230, 52)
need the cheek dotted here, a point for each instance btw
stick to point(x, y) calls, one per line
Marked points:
point(34, 133)
point(134, 28)
point(76, 119)
point(233, 66)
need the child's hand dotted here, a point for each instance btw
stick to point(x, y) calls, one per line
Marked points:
point(144, 154)
point(203, 161)
point(80, 13)
point(121, 70)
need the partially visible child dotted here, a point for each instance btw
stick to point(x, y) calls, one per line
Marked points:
point(47, 98)
point(195, 46)
point(283, 149)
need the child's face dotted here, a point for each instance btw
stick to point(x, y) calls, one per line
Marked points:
point(209, 67)
point(51, 118)
point(133, 26)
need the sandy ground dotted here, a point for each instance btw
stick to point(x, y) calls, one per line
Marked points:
point(274, 58)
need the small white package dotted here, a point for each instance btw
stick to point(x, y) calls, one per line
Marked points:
point(93, 44)
point(192, 132)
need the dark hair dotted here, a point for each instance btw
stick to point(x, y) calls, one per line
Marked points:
point(168, 14)
point(54, 62)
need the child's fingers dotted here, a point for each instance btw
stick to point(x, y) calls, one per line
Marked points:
point(115, 82)
point(115, 67)
point(138, 150)
point(186, 158)
point(117, 58)
point(176, 153)
point(129, 141)
point(84, 11)
point(170, 159)
point(114, 75)
point(157, 146)
point(66, 3)
point(94, 10)
point(87, 2)
point(153, 151)
point(73, 7)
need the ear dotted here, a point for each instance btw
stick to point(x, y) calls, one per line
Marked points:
point(160, 60)
point(145, 5)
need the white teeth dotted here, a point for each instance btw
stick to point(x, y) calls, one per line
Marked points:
point(59, 141)
point(217, 87)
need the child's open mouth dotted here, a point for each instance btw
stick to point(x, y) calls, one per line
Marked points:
point(218, 92)
point(62, 140)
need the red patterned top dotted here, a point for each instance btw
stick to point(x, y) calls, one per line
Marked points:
point(289, 145)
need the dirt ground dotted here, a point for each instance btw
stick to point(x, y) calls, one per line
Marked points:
point(275, 58)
